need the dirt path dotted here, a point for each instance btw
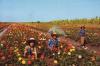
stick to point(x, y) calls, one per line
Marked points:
point(90, 48)
point(4, 31)
point(94, 48)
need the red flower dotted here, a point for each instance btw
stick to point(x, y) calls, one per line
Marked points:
point(29, 62)
point(42, 56)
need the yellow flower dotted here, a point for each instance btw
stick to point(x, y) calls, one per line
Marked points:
point(18, 54)
point(19, 58)
point(15, 50)
point(23, 62)
point(71, 50)
point(55, 61)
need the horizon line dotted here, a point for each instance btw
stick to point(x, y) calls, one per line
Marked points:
point(53, 19)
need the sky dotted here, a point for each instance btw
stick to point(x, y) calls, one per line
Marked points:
point(47, 10)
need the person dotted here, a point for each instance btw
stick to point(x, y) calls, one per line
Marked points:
point(53, 41)
point(30, 49)
point(82, 36)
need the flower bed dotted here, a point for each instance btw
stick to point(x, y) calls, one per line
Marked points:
point(14, 41)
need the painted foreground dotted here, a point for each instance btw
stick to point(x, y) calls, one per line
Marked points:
point(13, 39)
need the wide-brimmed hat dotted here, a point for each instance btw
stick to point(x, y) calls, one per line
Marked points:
point(32, 40)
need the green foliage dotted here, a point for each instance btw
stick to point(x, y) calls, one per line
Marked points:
point(95, 20)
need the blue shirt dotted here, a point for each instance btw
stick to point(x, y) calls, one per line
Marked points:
point(82, 32)
point(53, 42)
point(29, 51)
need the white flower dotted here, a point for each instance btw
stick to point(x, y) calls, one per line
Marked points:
point(58, 52)
point(39, 46)
point(69, 53)
point(94, 51)
point(53, 54)
point(73, 65)
point(32, 39)
point(73, 47)
point(24, 42)
point(43, 39)
point(79, 56)
point(2, 45)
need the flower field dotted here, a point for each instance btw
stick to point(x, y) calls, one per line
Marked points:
point(13, 42)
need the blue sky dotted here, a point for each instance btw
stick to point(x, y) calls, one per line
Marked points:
point(47, 10)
